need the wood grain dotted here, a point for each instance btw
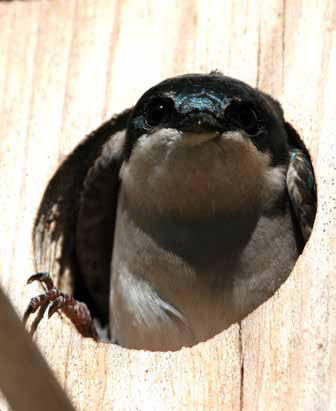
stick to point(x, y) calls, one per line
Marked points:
point(65, 66)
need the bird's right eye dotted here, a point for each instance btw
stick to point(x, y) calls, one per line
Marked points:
point(243, 116)
point(158, 111)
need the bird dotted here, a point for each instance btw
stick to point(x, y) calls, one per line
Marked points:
point(180, 215)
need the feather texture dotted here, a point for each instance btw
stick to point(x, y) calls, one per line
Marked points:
point(302, 190)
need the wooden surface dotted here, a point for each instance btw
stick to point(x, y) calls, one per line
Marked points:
point(65, 66)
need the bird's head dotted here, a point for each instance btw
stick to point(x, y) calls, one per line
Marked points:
point(196, 108)
point(207, 137)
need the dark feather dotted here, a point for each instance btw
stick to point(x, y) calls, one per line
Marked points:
point(60, 206)
point(302, 190)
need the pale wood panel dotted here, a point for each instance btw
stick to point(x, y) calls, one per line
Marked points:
point(289, 343)
point(65, 66)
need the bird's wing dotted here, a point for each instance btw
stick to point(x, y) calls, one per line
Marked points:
point(61, 210)
point(96, 221)
point(302, 190)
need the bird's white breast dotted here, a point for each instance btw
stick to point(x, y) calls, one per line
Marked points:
point(161, 301)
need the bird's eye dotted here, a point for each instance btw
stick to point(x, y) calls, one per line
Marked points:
point(242, 115)
point(158, 110)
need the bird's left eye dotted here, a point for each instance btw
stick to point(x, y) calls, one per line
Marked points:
point(243, 116)
point(158, 110)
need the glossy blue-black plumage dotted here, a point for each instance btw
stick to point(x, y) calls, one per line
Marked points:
point(200, 103)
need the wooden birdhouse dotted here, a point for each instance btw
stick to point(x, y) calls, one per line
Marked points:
point(67, 66)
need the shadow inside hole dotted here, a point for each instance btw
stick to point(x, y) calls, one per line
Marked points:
point(56, 225)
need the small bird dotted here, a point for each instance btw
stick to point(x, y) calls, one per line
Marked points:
point(179, 216)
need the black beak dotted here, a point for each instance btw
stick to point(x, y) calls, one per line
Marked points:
point(199, 122)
